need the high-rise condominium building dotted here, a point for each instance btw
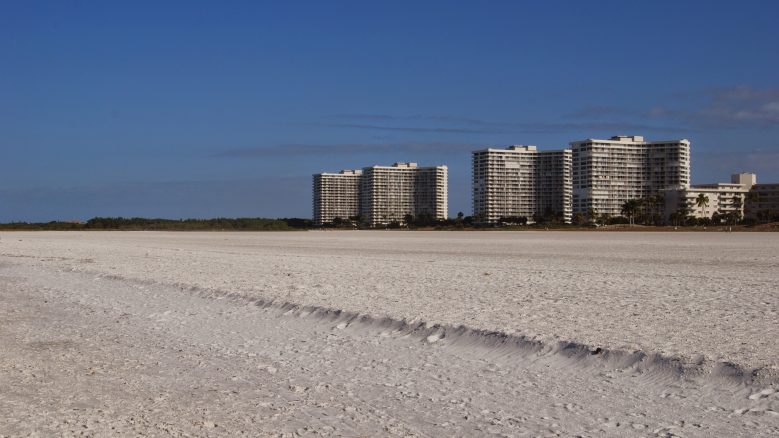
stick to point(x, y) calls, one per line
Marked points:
point(381, 194)
point(336, 195)
point(389, 193)
point(521, 181)
point(606, 173)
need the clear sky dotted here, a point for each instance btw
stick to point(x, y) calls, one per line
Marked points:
point(203, 109)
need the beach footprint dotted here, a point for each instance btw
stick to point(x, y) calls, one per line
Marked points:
point(762, 394)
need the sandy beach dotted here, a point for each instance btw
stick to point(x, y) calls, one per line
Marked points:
point(390, 333)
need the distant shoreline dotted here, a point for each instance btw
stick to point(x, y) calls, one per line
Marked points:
point(767, 228)
point(300, 224)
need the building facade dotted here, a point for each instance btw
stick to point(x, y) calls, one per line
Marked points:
point(606, 173)
point(380, 195)
point(389, 193)
point(704, 200)
point(521, 181)
point(762, 202)
point(336, 195)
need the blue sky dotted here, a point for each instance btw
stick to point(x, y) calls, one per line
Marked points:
point(204, 109)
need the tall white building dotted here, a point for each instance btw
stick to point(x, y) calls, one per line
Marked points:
point(389, 193)
point(606, 173)
point(381, 194)
point(336, 195)
point(521, 181)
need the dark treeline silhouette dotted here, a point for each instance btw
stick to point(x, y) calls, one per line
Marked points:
point(140, 224)
point(632, 212)
point(41, 226)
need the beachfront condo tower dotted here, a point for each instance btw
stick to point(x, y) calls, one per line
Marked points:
point(521, 181)
point(606, 173)
point(381, 195)
point(389, 193)
point(336, 195)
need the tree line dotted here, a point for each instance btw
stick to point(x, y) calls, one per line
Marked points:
point(144, 224)
point(427, 220)
point(649, 211)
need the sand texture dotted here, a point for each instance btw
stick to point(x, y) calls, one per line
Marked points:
point(389, 333)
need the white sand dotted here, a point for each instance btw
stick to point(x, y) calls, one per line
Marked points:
point(678, 294)
point(132, 331)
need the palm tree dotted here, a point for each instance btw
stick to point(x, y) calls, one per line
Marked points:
point(630, 208)
point(702, 201)
point(649, 209)
point(751, 205)
point(591, 215)
point(658, 206)
point(682, 213)
point(738, 203)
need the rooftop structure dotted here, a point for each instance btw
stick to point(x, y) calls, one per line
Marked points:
point(746, 179)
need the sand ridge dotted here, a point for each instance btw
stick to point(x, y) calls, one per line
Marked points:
point(97, 354)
